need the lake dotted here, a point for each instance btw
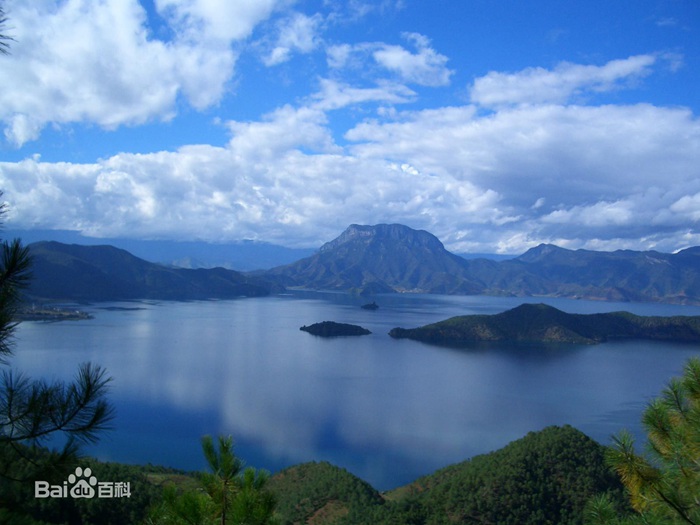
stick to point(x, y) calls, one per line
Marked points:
point(387, 410)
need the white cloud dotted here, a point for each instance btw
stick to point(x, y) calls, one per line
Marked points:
point(425, 67)
point(215, 19)
point(335, 95)
point(81, 61)
point(538, 85)
point(297, 33)
point(580, 176)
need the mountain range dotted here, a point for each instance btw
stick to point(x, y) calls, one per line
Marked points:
point(395, 258)
point(383, 258)
point(243, 256)
point(105, 273)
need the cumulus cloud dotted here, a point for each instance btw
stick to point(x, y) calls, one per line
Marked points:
point(215, 19)
point(336, 95)
point(532, 170)
point(538, 85)
point(80, 61)
point(297, 33)
point(425, 66)
point(579, 176)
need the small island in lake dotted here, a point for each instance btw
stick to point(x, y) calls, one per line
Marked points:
point(541, 323)
point(370, 306)
point(333, 329)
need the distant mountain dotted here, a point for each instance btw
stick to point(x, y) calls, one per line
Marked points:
point(546, 324)
point(621, 275)
point(395, 258)
point(379, 259)
point(242, 256)
point(105, 273)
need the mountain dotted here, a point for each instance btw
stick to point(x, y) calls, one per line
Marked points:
point(546, 477)
point(242, 256)
point(105, 273)
point(546, 324)
point(621, 275)
point(395, 258)
point(379, 259)
point(383, 258)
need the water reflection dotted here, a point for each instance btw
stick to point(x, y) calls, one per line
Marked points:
point(388, 410)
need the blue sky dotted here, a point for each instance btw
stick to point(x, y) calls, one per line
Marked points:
point(495, 125)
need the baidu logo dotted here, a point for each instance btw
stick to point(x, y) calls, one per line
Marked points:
point(82, 484)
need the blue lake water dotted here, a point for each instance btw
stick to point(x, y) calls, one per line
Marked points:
point(387, 410)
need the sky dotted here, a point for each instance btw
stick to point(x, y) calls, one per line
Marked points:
point(496, 125)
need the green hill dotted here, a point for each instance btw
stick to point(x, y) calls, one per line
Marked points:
point(321, 493)
point(543, 478)
point(546, 324)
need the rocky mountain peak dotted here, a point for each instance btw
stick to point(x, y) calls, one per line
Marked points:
point(384, 234)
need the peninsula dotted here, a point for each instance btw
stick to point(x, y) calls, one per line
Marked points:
point(333, 329)
point(545, 324)
point(45, 313)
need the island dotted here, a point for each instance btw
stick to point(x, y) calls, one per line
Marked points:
point(540, 323)
point(333, 329)
point(370, 306)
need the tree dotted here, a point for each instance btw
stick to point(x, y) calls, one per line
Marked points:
point(225, 467)
point(664, 484)
point(4, 38)
point(34, 411)
point(229, 494)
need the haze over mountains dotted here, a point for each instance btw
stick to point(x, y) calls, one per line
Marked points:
point(383, 258)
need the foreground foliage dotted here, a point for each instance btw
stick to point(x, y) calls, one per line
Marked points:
point(664, 484)
point(228, 494)
point(35, 412)
point(18, 506)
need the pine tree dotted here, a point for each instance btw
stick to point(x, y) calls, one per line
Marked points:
point(34, 411)
point(664, 484)
point(4, 37)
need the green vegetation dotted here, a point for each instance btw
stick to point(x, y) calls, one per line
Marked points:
point(229, 494)
point(321, 493)
point(546, 324)
point(19, 506)
point(36, 412)
point(545, 477)
point(333, 329)
point(664, 485)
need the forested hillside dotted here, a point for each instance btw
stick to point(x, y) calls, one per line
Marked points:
point(547, 477)
point(542, 323)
